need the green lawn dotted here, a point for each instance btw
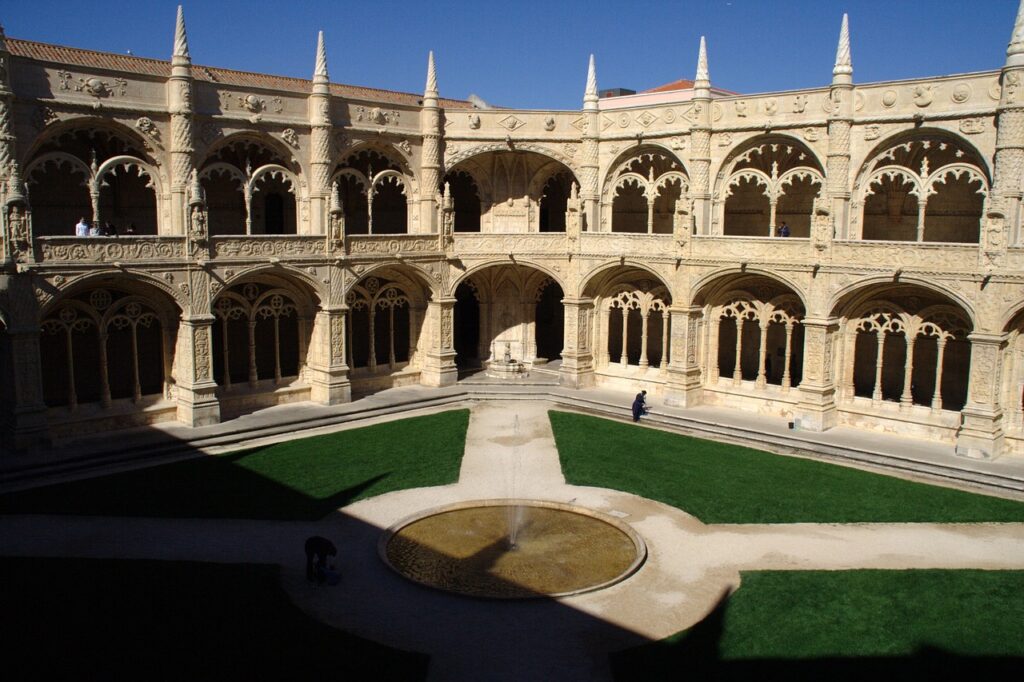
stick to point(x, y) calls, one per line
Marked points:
point(721, 483)
point(848, 625)
point(296, 480)
point(89, 619)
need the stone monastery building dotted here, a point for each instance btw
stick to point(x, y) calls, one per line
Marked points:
point(298, 240)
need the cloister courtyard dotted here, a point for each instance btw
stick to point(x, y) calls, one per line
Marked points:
point(757, 563)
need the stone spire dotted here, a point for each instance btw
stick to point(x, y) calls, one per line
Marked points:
point(3, 39)
point(702, 81)
point(1015, 51)
point(320, 71)
point(430, 92)
point(590, 95)
point(843, 70)
point(180, 38)
point(321, 80)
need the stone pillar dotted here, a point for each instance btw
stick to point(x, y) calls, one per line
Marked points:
point(700, 147)
point(439, 363)
point(577, 369)
point(197, 399)
point(7, 139)
point(684, 387)
point(320, 139)
point(816, 406)
point(430, 159)
point(981, 431)
point(179, 101)
point(328, 371)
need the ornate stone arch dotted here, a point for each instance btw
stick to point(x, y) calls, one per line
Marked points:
point(540, 267)
point(706, 286)
point(126, 280)
point(850, 294)
point(281, 271)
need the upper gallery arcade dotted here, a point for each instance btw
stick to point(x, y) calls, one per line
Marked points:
point(844, 255)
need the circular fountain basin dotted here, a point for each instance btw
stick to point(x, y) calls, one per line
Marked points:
point(513, 549)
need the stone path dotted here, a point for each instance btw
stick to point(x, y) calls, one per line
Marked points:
point(510, 452)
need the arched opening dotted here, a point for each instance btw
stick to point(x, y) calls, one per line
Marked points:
point(106, 345)
point(755, 334)
point(642, 191)
point(260, 335)
point(67, 167)
point(926, 186)
point(906, 345)
point(467, 327)
point(550, 322)
point(513, 307)
point(374, 189)
point(633, 332)
point(249, 188)
point(387, 310)
point(770, 189)
point(554, 201)
point(465, 201)
point(515, 191)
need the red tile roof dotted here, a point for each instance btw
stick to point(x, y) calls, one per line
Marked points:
point(681, 84)
point(73, 56)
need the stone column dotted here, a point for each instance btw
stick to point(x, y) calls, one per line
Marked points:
point(940, 344)
point(816, 407)
point(981, 431)
point(684, 376)
point(197, 399)
point(577, 369)
point(439, 364)
point(328, 371)
point(907, 396)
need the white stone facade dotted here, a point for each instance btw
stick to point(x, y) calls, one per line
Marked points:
point(302, 240)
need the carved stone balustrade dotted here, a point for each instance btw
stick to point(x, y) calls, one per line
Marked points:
point(109, 249)
point(615, 244)
point(918, 255)
point(504, 244)
point(391, 244)
point(750, 249)
point(267, 246)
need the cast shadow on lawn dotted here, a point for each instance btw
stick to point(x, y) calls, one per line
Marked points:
point(696, 654)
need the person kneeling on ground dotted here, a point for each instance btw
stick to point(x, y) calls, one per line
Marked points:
point(639, 405)
point(317, 551)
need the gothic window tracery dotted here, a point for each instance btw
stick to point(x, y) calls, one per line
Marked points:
point(911, 358)
point(757, 340)
point(642, 192)
point(250, 189)
point(94, 173)
point(375, 193)
point(772, 182)
point(256, 336)
point(380, 331)
point(635, 324)
point(105, 345)
point(928, 188)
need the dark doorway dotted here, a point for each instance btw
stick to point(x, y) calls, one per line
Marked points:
point(550, 323)
point(467, 328)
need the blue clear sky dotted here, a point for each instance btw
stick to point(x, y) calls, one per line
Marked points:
point(534, 54)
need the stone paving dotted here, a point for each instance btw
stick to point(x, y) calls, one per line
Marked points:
point(510, 452)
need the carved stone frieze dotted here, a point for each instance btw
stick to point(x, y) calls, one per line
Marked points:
point(109, 249)
point(392, 244)
point(264, 246)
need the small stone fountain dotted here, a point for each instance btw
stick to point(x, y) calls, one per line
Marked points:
point(506, 367)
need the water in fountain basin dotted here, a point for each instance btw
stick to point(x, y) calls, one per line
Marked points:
point(514, 514)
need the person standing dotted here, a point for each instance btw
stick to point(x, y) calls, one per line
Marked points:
point(784, 229)
point(82, 228)
point(639, 405)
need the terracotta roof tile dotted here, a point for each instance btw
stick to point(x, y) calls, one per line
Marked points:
point(681, 84)
point(74, 56)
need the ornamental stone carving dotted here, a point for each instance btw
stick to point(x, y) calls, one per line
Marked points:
point(291, 137)
point(106, 249)
point(261, 247)
point(922, 95)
